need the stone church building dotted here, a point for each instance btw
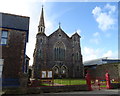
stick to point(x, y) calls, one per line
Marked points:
point(57, 52)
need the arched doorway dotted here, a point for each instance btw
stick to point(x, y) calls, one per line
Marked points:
point(64, 71)
point(56, 71)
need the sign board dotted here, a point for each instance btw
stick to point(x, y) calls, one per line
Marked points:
point(44, 74)
point(47, 74)
point(50, 74)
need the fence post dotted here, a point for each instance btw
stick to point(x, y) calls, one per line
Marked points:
point(88, 80)
point(107, 76)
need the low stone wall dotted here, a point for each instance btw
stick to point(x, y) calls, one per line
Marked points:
point(64, 88)
point(47, 89)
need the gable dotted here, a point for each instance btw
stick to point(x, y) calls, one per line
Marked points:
point(59, 33)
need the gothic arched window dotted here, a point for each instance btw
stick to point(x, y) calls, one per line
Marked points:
point(40, 54)
point(59, 51)
point(77, 56)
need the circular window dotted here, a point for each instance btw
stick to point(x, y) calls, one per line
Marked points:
point(59, 35)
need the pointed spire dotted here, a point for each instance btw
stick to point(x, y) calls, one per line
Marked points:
point(41, 27)
point(41, 23)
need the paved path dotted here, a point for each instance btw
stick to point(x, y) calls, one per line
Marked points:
point(112, 92)
point(87, 93)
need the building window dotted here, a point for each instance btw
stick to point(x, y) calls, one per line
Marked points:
point(59, 35)
point(59, 51)
point(78, 56)
point(77, 68)
point(40, 54)
point(4, 37)
point(41, 29)
point(41, 40)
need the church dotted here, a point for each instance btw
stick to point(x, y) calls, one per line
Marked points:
point(57, 52)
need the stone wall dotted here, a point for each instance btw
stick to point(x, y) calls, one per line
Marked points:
point(13, 54)
point(100, 71)
point(47, 89)
point(64, 88)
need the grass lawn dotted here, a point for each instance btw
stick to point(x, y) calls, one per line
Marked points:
point(70, 81)
point(102, 85)
point(44, 84)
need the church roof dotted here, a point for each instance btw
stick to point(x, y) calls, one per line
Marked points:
point(59, 30)
point(76, 34)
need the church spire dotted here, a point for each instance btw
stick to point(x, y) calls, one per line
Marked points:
point(41, 27)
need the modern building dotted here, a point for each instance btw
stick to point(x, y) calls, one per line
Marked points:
point(98, 67)
point(100, 61)
point(14, 31)
point(57, 52)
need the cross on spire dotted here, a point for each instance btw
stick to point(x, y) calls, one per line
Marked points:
point(59, 25)
point(42, 6)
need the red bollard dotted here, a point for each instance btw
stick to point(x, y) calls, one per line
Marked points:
point(99, 85)
point(88, 80)
point(108, 86)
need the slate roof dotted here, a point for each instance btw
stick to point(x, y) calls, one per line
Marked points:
point(59, 30)
point(76, 34)
point(16, 22)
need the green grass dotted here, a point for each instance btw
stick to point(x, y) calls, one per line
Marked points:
point(102, 85)
point(45, 84)
point(70, 81)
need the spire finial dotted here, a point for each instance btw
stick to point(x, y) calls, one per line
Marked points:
point(42, 6)
point(59, 25)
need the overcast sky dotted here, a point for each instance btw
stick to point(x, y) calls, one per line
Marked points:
point(96, 22)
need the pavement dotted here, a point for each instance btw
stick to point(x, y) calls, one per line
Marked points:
point(110, 92)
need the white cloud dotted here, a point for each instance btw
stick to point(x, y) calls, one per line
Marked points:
point(104, 16)
point(15, 7)
point(105, 21)
point(49, 27)
point(96, 11)
point(108, 54)
point(95, 53)
point(96, 38)
point(90, 53)
point(111, 54)
point(96, 34)
point(111, 8)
